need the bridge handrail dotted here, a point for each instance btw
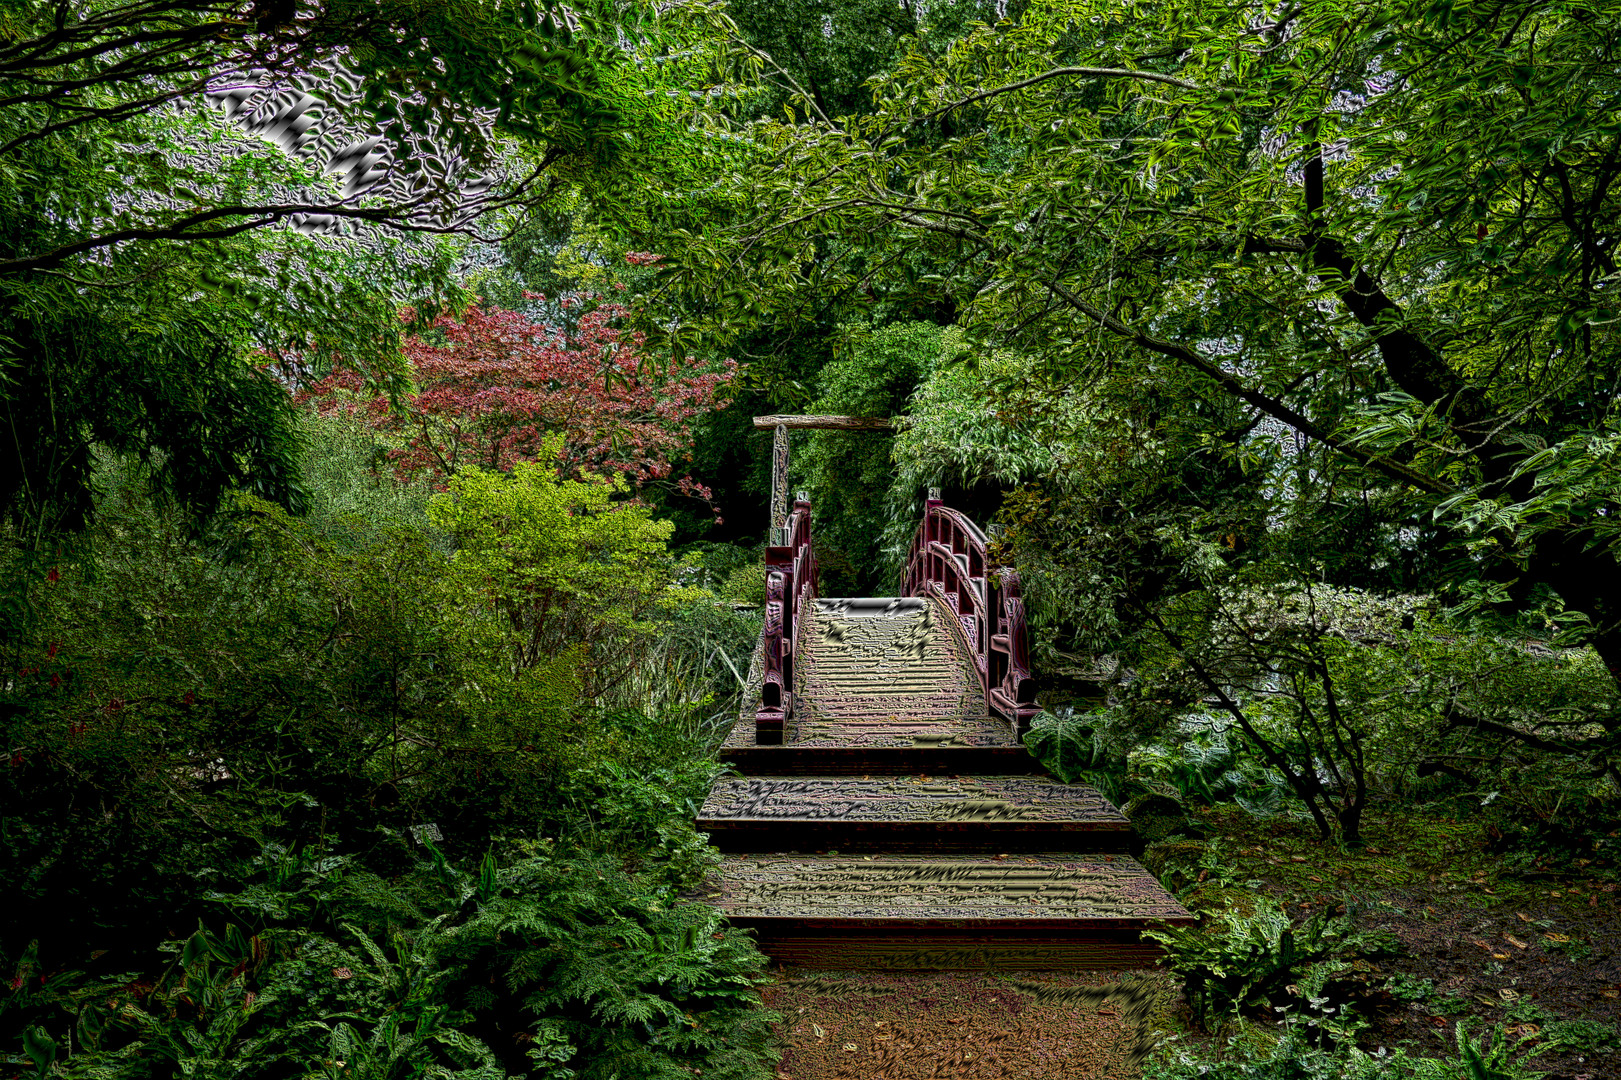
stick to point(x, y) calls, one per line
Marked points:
point(790, 575)
point(949, 559)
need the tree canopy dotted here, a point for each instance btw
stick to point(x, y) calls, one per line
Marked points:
point(1383, 230)
point(194, 191)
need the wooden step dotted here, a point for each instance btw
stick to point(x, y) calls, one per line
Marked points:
point(856, 950)
point(946, 911)
point(911, 814)
point(945, 758)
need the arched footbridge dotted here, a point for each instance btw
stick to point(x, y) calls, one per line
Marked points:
point(885, 812)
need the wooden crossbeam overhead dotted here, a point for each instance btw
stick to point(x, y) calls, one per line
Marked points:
point(827, 423)
point(779, 452)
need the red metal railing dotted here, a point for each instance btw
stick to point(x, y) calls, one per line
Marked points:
point(790, 587)
point(949, 561)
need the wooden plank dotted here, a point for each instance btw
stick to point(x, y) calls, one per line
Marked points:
point(827, 423)
point(886, 951)
point(1015, 802)
point(944, 757)
point(908, 814)
point(1015, 893)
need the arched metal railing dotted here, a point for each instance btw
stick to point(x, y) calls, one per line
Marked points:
point(790, 588)
point(949, 560)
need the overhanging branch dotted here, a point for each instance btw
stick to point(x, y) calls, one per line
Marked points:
point(1235, 386)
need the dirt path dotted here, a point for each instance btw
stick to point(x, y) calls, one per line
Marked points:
point(1084, 1025)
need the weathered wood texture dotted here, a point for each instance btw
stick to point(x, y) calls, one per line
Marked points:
point(884, 950)
point(827, 423)
point(909, 814)
point(779, 482)
point(987, 894)
point(946, 757)
point(790, 586)
point(896, 723)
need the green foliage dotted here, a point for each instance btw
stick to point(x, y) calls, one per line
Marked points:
point(831, 47)
point(1157, 783)
point(310, 736)
point(1407, 988)
point(1479, 1061)
point(1072, 747)
point(1574, 949)
point(1582, 1036)
point(1316, 1041)
point(972, 430)
point(567, 566)
point(1295, 1057)
point(350, 485)
point(548, 960)
point(692, 672)
point(745, 584)
point(646, 808)
point(961, 430)
point(848, 473)
point(1319, 295)
point(179, 698)
point(1292, 1057)
point(135, 373)
point(1258, 960)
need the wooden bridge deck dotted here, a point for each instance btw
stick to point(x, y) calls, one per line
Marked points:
point(900, 825)
point(884, 685)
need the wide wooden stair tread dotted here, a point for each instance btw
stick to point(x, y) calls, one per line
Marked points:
point(945, 892)
point(910, 813)
point(1012, 912)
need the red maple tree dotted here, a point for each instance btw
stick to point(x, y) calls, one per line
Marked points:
point(501, 383)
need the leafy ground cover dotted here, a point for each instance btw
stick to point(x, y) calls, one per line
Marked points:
point(1472, 928)
point(289, 797)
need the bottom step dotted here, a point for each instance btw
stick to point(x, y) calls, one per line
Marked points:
point(1016, 910)
point(881, 951)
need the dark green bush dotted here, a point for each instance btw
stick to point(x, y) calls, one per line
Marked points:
point(247, 759)
point(553, 964)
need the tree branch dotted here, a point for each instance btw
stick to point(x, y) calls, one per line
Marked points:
point(1235, 386)
point(1058, 73)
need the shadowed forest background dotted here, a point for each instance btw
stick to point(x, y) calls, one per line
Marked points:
point(382, 514)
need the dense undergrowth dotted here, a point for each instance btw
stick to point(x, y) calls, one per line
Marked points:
point(319, 797)
point(1301, 966)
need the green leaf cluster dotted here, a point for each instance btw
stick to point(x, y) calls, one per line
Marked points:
point(568, 564)
point(547, 962)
